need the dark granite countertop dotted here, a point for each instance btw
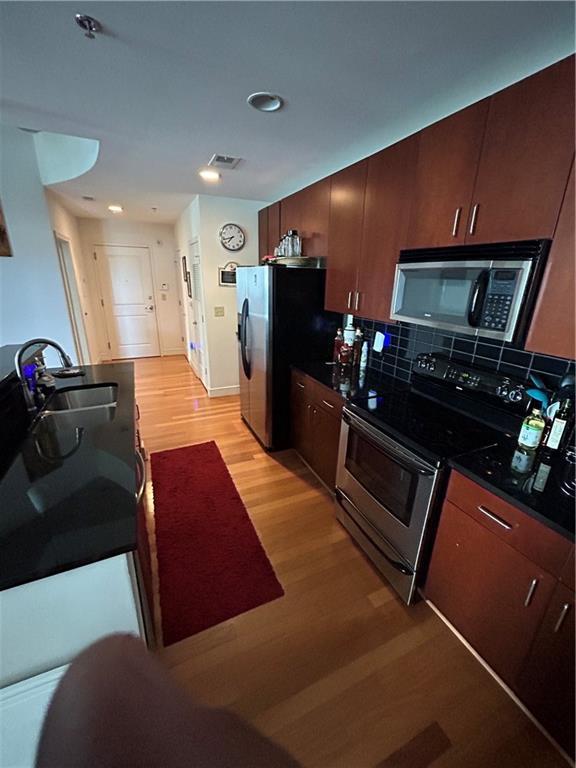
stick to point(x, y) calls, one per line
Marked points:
point(350, 384)
point(68, 498)
point(537, 491)
point(489, 467)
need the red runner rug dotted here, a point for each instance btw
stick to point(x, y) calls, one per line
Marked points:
point(211, 565)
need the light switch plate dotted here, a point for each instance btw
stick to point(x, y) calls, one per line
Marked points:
point(218, 311)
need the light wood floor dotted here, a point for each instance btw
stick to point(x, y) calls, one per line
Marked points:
point(337, 670)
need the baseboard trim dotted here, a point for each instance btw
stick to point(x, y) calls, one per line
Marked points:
point(499, 680)
point(223, 391)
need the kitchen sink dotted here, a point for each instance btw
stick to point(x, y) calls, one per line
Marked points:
point(95, 416)
point(81, 398)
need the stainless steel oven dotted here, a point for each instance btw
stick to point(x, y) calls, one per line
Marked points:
point(481, 290)
point(385, 494)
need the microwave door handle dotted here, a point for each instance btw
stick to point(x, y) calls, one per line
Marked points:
point(477, 298)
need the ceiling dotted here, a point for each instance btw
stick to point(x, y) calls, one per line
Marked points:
point(165, 86)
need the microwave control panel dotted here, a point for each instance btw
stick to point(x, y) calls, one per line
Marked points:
point(470, 379)
point(499, 297)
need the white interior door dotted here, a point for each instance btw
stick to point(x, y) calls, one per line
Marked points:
point(179, 281)
point(73, 299)
point(195, 314)
point(126, 281)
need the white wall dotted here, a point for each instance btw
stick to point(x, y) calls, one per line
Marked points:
point(204, 219)
point(65, 225)
point(160, 240)
point(32, 298)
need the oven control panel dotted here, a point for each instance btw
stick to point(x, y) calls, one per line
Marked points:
point(468, 378)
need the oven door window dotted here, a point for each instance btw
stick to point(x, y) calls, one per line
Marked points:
point(388, 481)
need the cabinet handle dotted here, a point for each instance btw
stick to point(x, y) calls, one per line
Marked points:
point(328, 404)
point(494, 517)
point(531, 590)
point(563, 614)
point(456, 222)
point(357, 301)
point(473, 219)
point(300, 385)
point(349, 299)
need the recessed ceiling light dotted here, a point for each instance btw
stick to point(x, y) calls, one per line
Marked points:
point(265, 102)
point(115, 208)
point(209, 175)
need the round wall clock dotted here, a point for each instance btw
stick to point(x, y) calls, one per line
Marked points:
point(232, 237)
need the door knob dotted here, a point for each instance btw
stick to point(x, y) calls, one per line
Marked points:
point(151, 307)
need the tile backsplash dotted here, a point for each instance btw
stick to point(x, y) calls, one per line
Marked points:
point(407, 340)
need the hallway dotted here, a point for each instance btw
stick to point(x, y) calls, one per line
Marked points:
point(337, 670)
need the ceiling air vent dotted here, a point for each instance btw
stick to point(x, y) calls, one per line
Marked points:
point(224, 161)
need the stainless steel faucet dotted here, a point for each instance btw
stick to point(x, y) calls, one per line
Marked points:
point(28, 393)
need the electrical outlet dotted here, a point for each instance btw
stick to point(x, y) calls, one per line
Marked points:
point(218, 311)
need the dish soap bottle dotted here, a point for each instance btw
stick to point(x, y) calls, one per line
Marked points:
point(532, 429)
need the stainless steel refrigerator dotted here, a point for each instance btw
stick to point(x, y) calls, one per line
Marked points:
point(281, 322)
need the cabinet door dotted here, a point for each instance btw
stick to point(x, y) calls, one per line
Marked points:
point(492, 594)
point(326, 429)
point(273, 226)
point(546, 682)
point(262, 233)
point(344, 236)
point(314, 218)
point(448, 154)
point(552, 329)
point(526, 156)
point(291, 212)
point(386, 212)
point(301, 413)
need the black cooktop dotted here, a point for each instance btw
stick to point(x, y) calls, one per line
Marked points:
point(435, 432)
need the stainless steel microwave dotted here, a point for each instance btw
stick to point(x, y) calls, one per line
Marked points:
point(480, 290)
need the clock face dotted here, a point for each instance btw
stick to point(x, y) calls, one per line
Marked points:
point(232, 237)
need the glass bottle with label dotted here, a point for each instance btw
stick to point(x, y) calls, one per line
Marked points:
point(557, 432)
point(338, 341)
point(532, 429)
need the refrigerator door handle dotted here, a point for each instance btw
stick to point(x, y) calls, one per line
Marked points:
point(243, 336)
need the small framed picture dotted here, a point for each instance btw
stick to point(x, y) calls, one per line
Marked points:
point(184, 269)
point(189, 285)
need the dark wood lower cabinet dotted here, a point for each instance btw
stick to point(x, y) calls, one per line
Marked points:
point(316, 414)
point(493, 595)
point(546, 680)
point(517, 616)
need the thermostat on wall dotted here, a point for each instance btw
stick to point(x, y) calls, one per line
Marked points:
point(227, 274)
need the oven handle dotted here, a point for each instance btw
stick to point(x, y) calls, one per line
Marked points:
point(406, 460)
point(394, 563)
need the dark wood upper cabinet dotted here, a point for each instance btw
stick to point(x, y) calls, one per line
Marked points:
point(268, 229)
point(552, 329)
point(387, 205)
point(448, 154)
point(546, 681)
point(291, 212)
point(273, 226)
point(344, 236)
point(314, 217)
point(492, 594)
point(525, 160)
point(262, 233)
point(308, 211)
